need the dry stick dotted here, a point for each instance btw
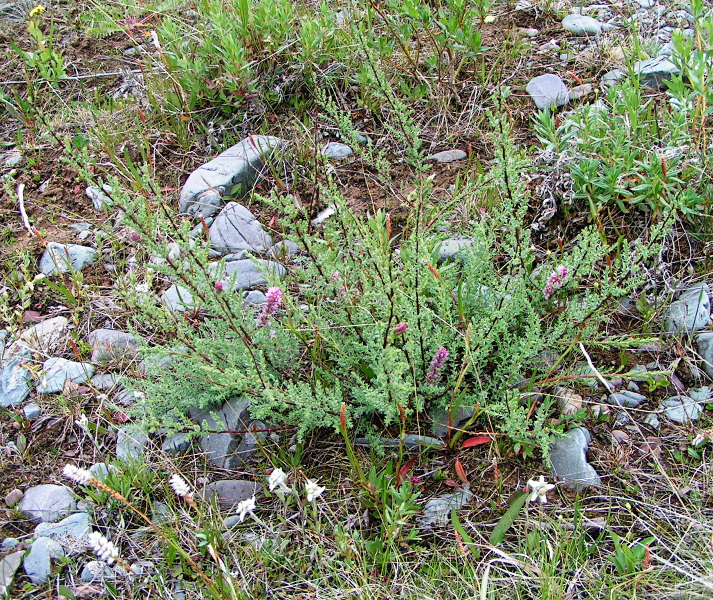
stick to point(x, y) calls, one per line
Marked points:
point(23, 213)
point(608, 386)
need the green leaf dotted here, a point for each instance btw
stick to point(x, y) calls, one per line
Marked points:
point(66, 592)
point(458, 526)
point(508, 518)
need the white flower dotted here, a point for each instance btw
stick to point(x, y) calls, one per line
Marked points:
point(81, 476)
point(82, 422)
point(103, 548)
point(277, 480)
point(141, 288)
point(179, 485)
point(313, 490)
point(245, 507)
point(539, 489)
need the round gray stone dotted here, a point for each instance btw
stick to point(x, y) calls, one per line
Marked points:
point(111, 346)
point(336, 150)
point(548, 90)
point(448, 156)
point(582, 25)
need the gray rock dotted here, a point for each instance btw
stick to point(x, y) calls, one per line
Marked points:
point(654, 72)
point(691, 312)
point(96, 571)
point(46, 336)
point(99, 198)
point(38, 563)
point(101, 471)
point(178, 299)
point(336, 150)
point(232, 171)
point(569, 460)
point(229, 492)
point(178, 443)
point(13, 497)
point(460, 418)
point(242, 255)
point(681, 409)
point(62, 258)
point(9, 544)
point(652, 420)
point(56, 371)
point(111, 346)
point(47, 503)
point(646, 3)
point(548, 90)
point(79, 227)
point(626, 398)
point(611, 78)
point(451, 249)
point(437, 511)
point(283, 249)
point(701, 394)
point(224, 449)
point(579, 92)
point(254, 297)
point(583, 25)
point(31, 411)
point(106, 381)
point(131, 443)
point(71, 533)
point(14, 377)
point(448, 156)
point(705, 349)
point(8, 567)
point(252, 273)
point(622, 419)
point(235, 229)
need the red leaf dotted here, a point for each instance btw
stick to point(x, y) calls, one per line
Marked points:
point(405, 470)
point(476, 441)
point(460, 471)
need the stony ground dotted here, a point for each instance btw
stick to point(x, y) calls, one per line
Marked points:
point(66, 345)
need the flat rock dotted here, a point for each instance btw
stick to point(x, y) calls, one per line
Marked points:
point(14, 378)
point(13, 497)
point(236, 229)
point(38, 563)
point(569, 460)
point(71, 533)
point(548, 90)
point(459, 419)
point(231, 172)
point(437, 511)
point(452, 248)
point(655, 72)
point(47, 503)
point(337, 150)
point(56, 371)
point(111, 346)
point(177, 443)
point(45, 337)
point(224, 449)
point(681, 409)
point(8, 567)
point(583, 25)
point(611, 78)
point(568, 401)
point(448, 156)
point(691, 312)
point(95, 571)
point(229, 492)
point(252, 273)
point(106, 381)
point(626, 398)
point(704, 341)
point(100, 200)
point(701, 394)
point(178, 299)
point(31, 411)
point(131, 443)
point(62, 258)
point(101, 471)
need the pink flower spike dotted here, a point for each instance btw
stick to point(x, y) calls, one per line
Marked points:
point(219, 286)
point(273, 298)
point(434, 371)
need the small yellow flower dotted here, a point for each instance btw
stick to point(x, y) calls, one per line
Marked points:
point(38, 10)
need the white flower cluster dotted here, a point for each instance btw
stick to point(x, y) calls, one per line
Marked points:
point(103, 548)
point(81, 476)
point(179, 485)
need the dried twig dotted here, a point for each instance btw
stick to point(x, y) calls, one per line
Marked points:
point(23, 213)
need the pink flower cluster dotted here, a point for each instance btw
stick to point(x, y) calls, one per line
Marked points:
point(434, 371)
point(274, 300)
point(555, 281)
